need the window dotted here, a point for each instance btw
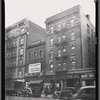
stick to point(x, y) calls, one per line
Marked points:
point(59, 27)
point(19, 72)
point(30, 58)
point(13, 72)
point(88, 29)
point(59, 53)
point(51, 29)
point(58, 39)
point(35, 55)
point(51, 55)
point(73, 50)
point(51, 65)
point(64, 48)
point(73, 65)
point(72, 43)
point(20, 62)
point(64, 24)
point(51, 41)
point(51, 49)
point(58, 64)
point(72, 36)
point(22, 40)
point(68, 23)
point(72, 58)
point(41, 53)
point(63, 36)
point(64, 62)
point(21, 51)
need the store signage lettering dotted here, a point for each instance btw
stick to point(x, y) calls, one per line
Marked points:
point(73, 76)
point(34, 68)
point(87, 75)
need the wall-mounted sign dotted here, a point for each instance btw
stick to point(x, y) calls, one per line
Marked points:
point(34, 68)
point(73, 76)
point(88, 75)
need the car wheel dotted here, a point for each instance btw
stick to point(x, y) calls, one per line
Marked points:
point(54, 96)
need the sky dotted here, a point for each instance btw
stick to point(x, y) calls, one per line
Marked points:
point(38, 10)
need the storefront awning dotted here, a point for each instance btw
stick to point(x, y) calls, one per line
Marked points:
point(36, 82)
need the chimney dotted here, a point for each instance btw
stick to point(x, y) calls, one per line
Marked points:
point(88, 17)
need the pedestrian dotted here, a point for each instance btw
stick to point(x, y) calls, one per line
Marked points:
point(46, 91)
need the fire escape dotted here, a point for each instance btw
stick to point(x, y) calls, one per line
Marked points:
point(61, 54)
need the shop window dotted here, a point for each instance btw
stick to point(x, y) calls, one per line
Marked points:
point(51, 41)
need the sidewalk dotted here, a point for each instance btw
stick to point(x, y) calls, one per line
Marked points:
point(48, 96)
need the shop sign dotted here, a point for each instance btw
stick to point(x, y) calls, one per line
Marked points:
point(73, 76)
point(34, 68)
point(87, 75)
point(33, 74)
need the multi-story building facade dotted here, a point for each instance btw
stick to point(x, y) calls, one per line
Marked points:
point(70, 49)
point(35, 64)
point(17, 38)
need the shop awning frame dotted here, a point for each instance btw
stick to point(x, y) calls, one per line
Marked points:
point(35, 82)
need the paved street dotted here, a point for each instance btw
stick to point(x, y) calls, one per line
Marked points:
point(28, 98)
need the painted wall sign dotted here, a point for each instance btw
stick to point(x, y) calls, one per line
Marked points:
point(34, 68)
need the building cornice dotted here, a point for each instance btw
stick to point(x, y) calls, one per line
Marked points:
point(62, 14)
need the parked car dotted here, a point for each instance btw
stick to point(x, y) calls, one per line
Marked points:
point(84, 93)
point(63, 94)
point(56, 94)
point(26, 92)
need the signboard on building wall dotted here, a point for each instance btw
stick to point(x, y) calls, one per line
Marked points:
point(34, 68)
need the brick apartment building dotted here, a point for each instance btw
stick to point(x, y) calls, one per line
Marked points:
point(18, 37)
point(70, 49)
point(35, 64)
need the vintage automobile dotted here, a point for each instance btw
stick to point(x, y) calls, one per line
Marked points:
point(84, 93)
point(64, 94)
point(26, 92)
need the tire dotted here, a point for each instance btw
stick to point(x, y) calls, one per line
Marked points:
point(54, 96)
